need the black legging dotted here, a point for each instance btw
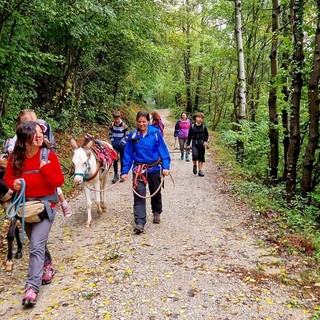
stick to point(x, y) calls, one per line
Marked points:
point(3, 188)
point(120, 151)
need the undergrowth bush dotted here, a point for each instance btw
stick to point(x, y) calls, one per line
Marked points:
point(246, 180)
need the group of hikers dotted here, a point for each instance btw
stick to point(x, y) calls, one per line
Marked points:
point(143, 151)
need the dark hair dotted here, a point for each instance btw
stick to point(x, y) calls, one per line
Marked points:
point(117, 114)
point(143, 113)
point(25, 133)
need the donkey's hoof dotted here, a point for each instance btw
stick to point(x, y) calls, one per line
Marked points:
point(18, 255)
point(88, 224)
point(9, 266)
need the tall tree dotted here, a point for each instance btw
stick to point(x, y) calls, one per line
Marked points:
point(285, 62)
point(313, 95)
point(272, 102)
point(256, 40)
point(241, 97)
point(199, 82)
point(297, 82)
point(187, 56)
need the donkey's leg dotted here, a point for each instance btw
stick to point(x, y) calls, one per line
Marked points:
point(89, 205)
point(97, 187)
point(103, 193)
point(10, 238)
point(18, 254)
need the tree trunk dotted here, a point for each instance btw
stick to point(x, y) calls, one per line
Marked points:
point(286, 93)
point(241, 101)
point(199, 83)
point(187, 66)
point(309, 157)
point(199, 77)
point(187, 69)
point(297, 82)
point(210, 89)
point(272, 102)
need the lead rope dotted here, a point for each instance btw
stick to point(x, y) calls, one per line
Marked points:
point(18, 200)
point(150, 196)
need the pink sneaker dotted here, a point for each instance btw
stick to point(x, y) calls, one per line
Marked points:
point(30, 297)
point(66, 209)
point(48, 273)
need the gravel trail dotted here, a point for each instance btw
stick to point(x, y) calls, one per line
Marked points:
point(201, 262)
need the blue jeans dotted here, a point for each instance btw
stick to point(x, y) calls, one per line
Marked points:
point(139, 206)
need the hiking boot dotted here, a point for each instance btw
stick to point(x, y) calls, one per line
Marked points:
point(138, 229)
point(115, 178)
point(48, 273)
point(182, 156)
point(156, 217)
point(66, 209)
point(200, 174)
point(187, 158)
point(30, 297)
point(195, 171)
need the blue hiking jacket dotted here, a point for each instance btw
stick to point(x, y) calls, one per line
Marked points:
point(146, 150)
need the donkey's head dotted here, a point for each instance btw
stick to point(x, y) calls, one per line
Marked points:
point(83, 161)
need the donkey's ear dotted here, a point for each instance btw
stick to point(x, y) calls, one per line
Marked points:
point(88, 145)
point(74, 144)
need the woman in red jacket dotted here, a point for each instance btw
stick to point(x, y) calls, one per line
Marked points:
point(41, 180)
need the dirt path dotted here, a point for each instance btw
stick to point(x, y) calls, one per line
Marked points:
point(201, 262)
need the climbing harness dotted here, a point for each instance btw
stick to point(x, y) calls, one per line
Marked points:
point(140, 173)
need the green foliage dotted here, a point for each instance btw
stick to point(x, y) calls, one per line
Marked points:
point(255, 139)
point(297, 217)
point(68, 58)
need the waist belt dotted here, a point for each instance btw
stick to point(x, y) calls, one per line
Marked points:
point(141, 171)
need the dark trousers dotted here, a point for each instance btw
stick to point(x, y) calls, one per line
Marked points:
point(182, 146)
point(119, 151)
point(139, 206)
point(198, 152)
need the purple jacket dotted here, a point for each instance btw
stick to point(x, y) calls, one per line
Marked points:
point(181, 129)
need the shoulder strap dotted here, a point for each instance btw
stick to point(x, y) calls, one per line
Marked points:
point(203, 125)
point(44, 156)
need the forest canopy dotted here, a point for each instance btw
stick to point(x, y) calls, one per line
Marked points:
point(252, 67)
